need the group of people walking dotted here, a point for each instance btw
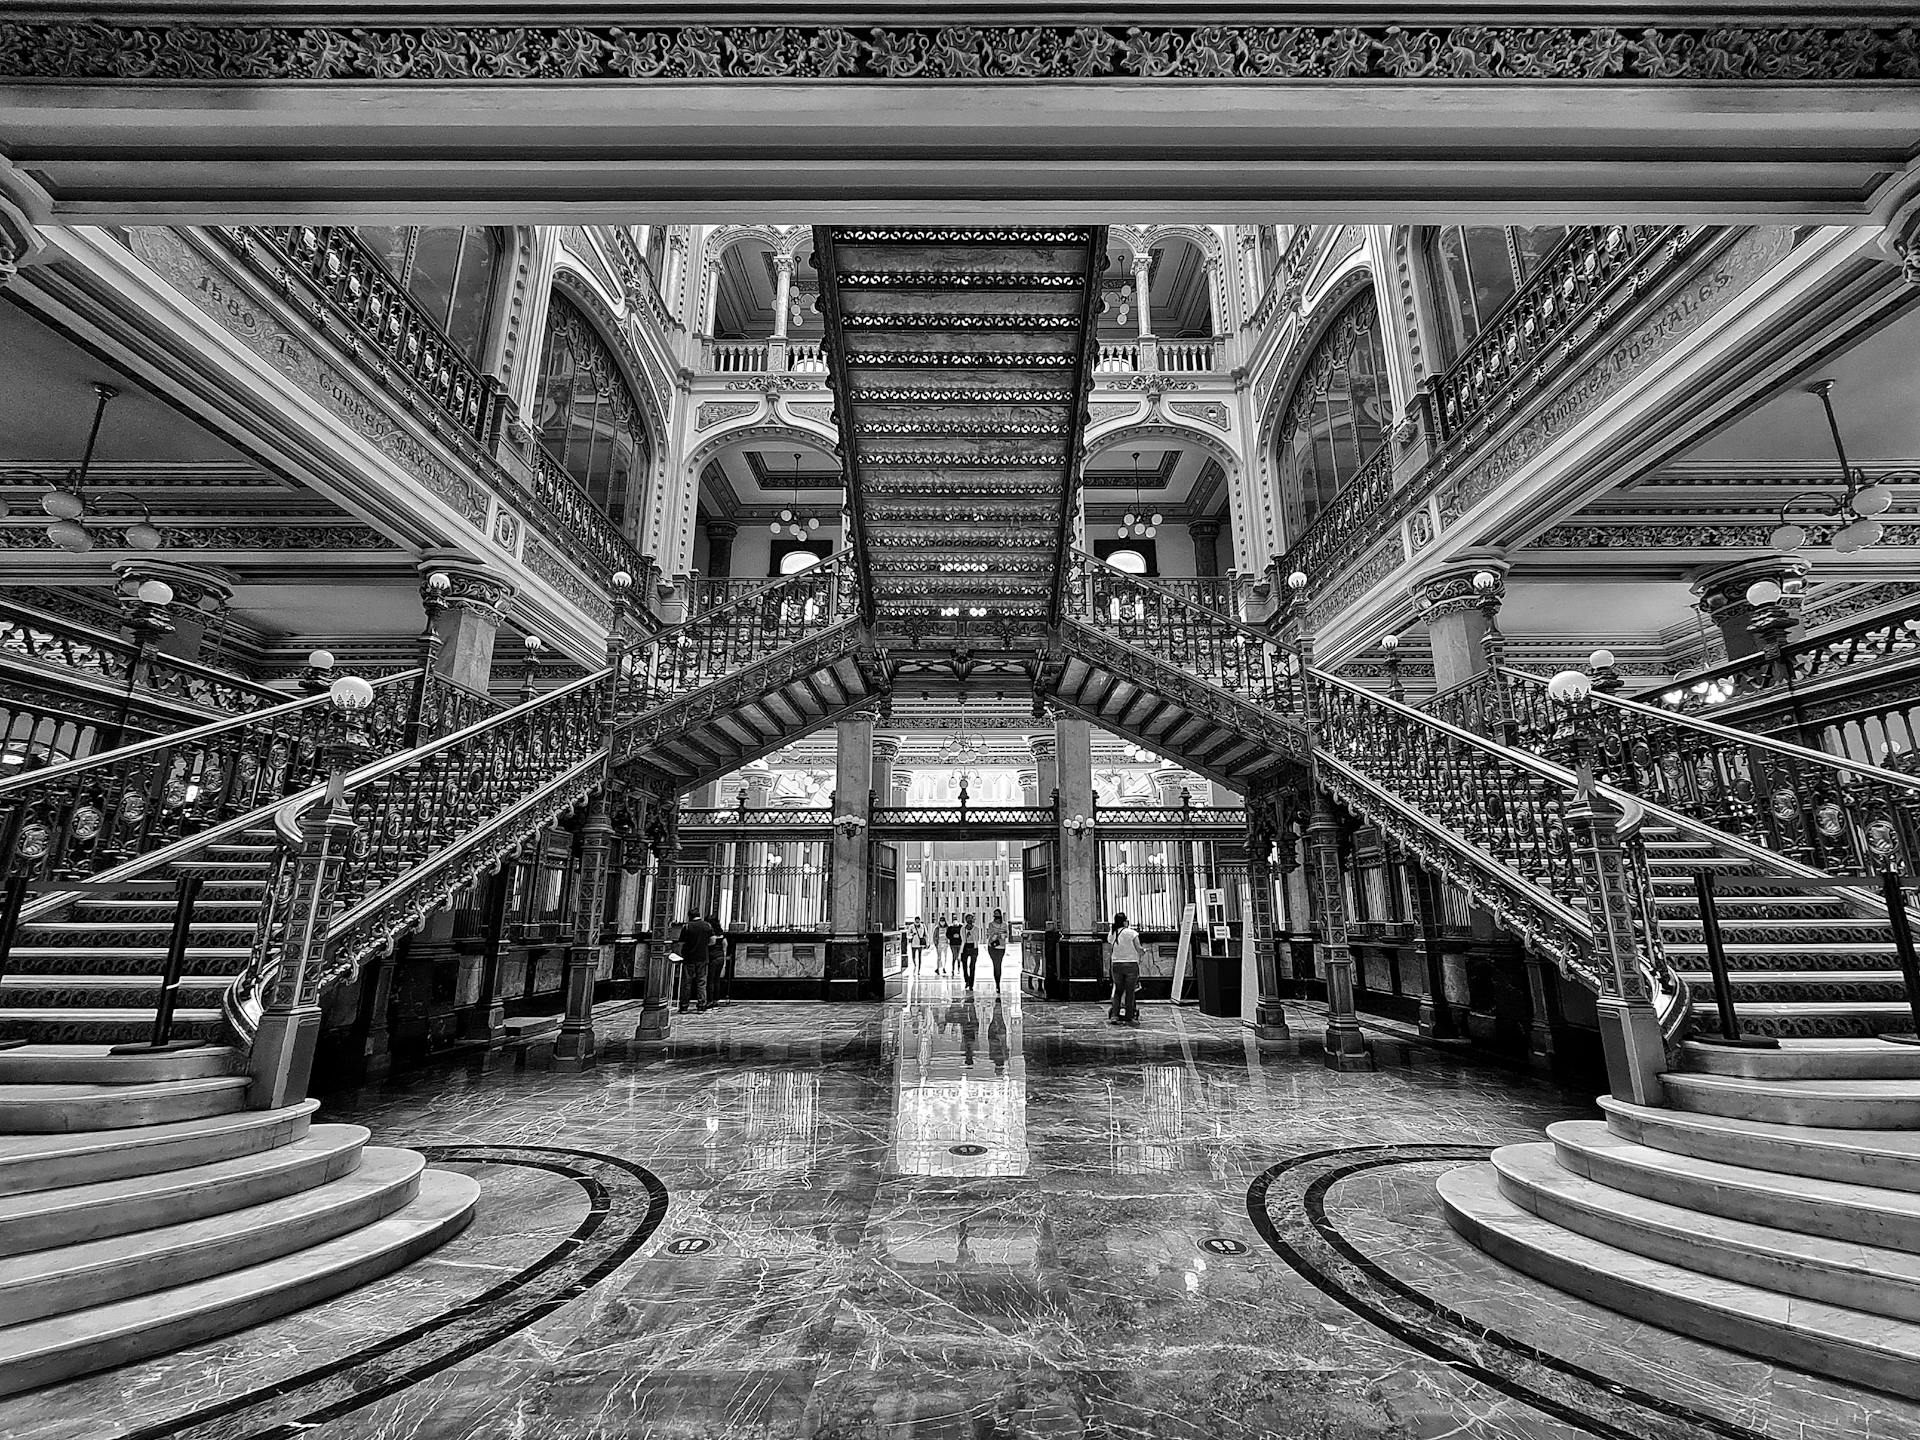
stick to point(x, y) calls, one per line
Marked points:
point(956, 945)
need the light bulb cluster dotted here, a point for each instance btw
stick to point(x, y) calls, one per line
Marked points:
point(1147, 525)
point(68, 528)
point(1862, 528)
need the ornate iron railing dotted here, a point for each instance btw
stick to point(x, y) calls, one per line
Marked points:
point(711, 592)
point(1208, 644)
point(951, 815)
point(1834, 814)
point(734, 357)
point(1516, 343)
point(757, 818)
point(69, 647)
point(573, 514)
point(746, 629)
point(1218, 593)
point(1359, 513)
point(379, 311)
point(1169, 817)
point(86, 816)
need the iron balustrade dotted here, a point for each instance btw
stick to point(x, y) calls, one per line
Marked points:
point(1360, 512)
point(712, 592)
point(85, 816)
point(1221, 594)
point(1822, 810)
point(1208, 644)
point(744, 631)
point(740, 817)
point(378, 310)
point(572, 514)
point(1524, 337)
point(1169, 817)
point(937, 816)
point(67, 647)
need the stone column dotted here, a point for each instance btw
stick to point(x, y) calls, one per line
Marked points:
point(198, 594)
point(656, 1013)
point(886, 750)
point(1723, 595)
point(1046, 768)
point(1142, 293)
point(1029, 782)
point(574, 1049)
point(466, 616)
point(1206, 546)
point(847, 902)
point(1459, 616)
point(1078, 884)
point(1270, 1015)
point(782, 293)
point(720, 537)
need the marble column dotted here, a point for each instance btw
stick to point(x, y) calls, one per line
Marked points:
point(1270, 1015)
point(1723, 595)
point(656, 1014)
point(720, 537)
point(1206, 546)
point(782, 293)
point(886, 750)
point(1078, 883)
point(846, 975)
point(1459, 616)
point(465, 617)
point(1046, 768)
point(1142, 293)
point(1029, 783)
point(575, 1047)
point(198, 594)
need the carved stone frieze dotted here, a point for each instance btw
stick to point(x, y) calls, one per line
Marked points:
point(1208, 412)
point(452, 50)
point(544, 561)
point(718, 412)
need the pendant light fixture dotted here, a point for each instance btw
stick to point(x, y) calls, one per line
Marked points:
point(793, 519)
point(1137, 521)
point(1855, 511)
point(66, 504)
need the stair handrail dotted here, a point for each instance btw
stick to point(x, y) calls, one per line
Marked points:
point(104, 810)
point(1816, 802)
point(556, 747)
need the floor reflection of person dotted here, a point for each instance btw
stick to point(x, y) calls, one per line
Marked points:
point(997, 1050)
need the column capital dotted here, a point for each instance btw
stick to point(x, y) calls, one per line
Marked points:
point(886, 749)
point(1204, 529)
point(1724, 587)
point(191, 584)
point(1457, 586)
point(1042, 747)
point(19, 238)
point(1900, 237)
point(784, 264)
point(1142, 262)
point(469, 586)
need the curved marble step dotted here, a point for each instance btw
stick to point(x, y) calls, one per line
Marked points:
point(1871, 1350)
point(1888, 1159)
point(96, 1065)
point(1810, 1019)
point(1849, 1059)
point(113, 991)
point(1836, 1272)
point(1839, 1104)
point(90, 1157)
point(49, 1109)
point(44, 1219)
point(59, 1347)
point(1865, 1214)
point(97, 1272)
point(104, 1026)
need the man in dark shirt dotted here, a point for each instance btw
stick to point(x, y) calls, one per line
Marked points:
point(696, 939)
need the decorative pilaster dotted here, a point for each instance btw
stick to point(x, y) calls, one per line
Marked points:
point(574, 1049)
point(720, 537)
point(464, 614)
point(1460, 604)
point(1206, 546)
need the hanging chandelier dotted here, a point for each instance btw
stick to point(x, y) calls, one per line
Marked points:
point(68, 507)
point(1855, 512)
point(1137, 521)
point(793, 519)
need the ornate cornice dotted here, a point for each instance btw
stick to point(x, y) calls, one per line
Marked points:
point(448, 50)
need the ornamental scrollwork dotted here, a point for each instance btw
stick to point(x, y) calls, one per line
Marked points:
point(56, 49)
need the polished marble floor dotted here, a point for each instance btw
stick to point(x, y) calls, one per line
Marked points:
point(955, 1216)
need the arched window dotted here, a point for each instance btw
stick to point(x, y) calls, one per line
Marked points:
point(1129, 560)
point(588, 419)
point(797, 559)
point(1336, 416)
point(448, 270)
point(1477, 268)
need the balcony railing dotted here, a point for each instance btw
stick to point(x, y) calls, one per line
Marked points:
point(1148, 355)
point(776, 355)
point(774, 818)
point(1517, 344)
point(1360, 513)
point(379, 310)
point(584, 523)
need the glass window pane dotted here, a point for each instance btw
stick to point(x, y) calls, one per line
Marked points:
point(1534, 244)
point(389, 242)
point(1491, 267)
point(430, 281)
point(587, 418)
point(1336, 417)
point(473, 298)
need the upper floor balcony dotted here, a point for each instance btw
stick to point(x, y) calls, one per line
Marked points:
point(775, 355)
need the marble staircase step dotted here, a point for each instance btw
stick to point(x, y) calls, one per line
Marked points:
point(1849, 958)
point(1861, 1019)
point(1887, 1159)
point(44, 1219)
point(104, 1025)
point(1867, 1215)
point(58, 1347)
point(148, 957)
point(45, 1109)
point(97, 1065)
point(90, 1157)
point(110, 991)
point(96, 1272)
point(1789, 986)
point(1837, 1272)
point(1802, 1060)
point(1872, 1350)
point(1842, 1104)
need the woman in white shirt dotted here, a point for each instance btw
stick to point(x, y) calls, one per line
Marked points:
point(1125, 966)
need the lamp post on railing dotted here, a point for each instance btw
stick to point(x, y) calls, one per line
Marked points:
point(318, 677)
point(1772, 620)
point(1630, 1034)
point(1602, 675)
point(1493, 646)
point(148, 620)
point(530, 665)
point(433, 599)
point(1344, 1044)
point(281, 1059)
point(1395, 689)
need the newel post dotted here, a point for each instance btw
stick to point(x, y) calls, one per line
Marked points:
point(1630, 1034)
point(300, 908)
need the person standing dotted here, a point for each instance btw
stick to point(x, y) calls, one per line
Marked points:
point(717, 965)
point(1127, 955)
point(696, 940)
point(997, 945)
point(969, 943)
point(940, 952)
